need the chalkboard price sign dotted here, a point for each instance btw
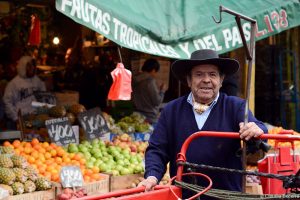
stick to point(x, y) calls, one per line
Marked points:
point(60, 131)
point(71, 176)
point(93, 123)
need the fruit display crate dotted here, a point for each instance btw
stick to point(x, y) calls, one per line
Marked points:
point(253, 188)
point(92, 188)
point(122, 182)
point(38, 195)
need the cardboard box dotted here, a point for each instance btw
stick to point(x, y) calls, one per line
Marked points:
point(122, 182)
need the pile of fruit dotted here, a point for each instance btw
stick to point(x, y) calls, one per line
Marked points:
point(48, 158)
point(128, 124)
point(68, 193)
point(277, 130)
point(17, 176)
point(109, 157)
point(34, 121)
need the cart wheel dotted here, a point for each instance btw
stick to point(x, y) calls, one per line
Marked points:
point(198, 194)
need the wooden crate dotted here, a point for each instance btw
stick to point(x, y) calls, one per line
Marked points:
point(122, 182)
point(39, 195)
point(97, 187)
point(253, 188)
point(67, 98)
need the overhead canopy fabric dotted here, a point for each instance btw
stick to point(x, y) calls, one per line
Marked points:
point(175, 28)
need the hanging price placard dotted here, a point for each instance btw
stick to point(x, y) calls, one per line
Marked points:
point(93, 123)
point(60, 131)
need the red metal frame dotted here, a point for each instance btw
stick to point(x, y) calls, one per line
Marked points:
point(284, 136)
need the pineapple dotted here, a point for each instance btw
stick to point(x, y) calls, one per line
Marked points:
point(5, 150)
point(19, 161)
point(57, 111)
point(8, 188)
point(7, 176)
point(76, 109)
point(21, 175)
point(18, 188)
point(29, 186)
point(32, 173)
point(42, 183)
point(5, 161)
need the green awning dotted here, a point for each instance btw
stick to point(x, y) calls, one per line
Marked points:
point(175, 28)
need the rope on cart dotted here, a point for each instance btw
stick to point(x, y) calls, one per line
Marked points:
point(233, 195)
point(290, 181)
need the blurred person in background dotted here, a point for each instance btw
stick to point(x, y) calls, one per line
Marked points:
point(19, 92)
point(147, 96)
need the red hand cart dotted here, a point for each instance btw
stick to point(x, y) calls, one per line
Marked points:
point(171, 192)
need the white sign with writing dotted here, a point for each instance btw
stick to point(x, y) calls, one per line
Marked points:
point(71, 176)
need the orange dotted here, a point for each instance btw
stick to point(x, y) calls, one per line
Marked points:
point(31, 159)
point(42, 150)
point(53, 145)
point(28, 150)
point(17, 151)
point(45, 144)
point(96, 177)
point(77, 157)
point(60, 151)
point(35, 154)
point(82, 161)
point(34, 141)
point(47, 175)
point(86, 178)
point(47, 155)
point(27, 145)
point(95, 169)
point(7, 143)
point(58, 160)
point(37, 147)
point(55, 177)
point(53, 152)
point(16, 143)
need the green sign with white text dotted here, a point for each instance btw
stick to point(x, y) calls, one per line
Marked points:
point(175, 28)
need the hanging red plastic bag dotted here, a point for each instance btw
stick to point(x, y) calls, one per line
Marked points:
point(35, 31)
point(121, 87)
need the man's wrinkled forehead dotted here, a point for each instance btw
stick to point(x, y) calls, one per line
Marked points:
point(205, 68)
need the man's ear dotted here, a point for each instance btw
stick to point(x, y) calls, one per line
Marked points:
point(222, 78)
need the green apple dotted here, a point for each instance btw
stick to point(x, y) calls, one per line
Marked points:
point(87, 155)
point(72, 148)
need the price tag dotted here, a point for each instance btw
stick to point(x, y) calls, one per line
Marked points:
point(60, 131)
point(71, 176)
point(93, 123)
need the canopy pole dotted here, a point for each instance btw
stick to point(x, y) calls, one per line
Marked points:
point(249, 54)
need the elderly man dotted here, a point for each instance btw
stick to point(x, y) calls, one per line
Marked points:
point(203, 109)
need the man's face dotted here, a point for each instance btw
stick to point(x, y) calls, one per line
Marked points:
point(30, 69)
point(205, 82)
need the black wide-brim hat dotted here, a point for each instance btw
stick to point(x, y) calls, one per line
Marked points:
point(181, 68)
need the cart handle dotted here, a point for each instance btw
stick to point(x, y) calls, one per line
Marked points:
point(121, 193)
point(196, 174)
point(181, 156)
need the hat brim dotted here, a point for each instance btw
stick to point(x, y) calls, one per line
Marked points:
point(180, 68)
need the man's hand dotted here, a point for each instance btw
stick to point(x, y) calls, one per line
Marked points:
point(249, 130)
point(149, 183)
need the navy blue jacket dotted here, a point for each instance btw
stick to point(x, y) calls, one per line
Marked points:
point(177, 122)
